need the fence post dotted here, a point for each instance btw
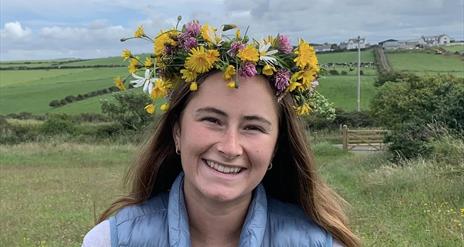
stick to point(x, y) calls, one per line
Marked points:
point(345, 137)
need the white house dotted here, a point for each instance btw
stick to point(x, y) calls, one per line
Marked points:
point(436, 40)
point(393, 44)
point(353, 44)
point(323, 47)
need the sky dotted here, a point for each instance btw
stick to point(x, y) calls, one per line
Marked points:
point(49, 29)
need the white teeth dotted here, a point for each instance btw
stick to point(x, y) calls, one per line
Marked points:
point(221, 168)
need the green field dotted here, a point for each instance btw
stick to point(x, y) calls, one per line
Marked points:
point(32, 90)
point(417, 204)
point(425, 63)
point(454, 48)
point(342, 91)
point(51, 191)
point(347, 56)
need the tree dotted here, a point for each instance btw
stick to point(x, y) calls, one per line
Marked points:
point(127, 108)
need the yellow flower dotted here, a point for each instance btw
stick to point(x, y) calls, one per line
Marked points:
point(201, 60)
point(229, 73)
point(249, 53)
point(305, 55)
point(210, 34)
point(119, 83)
point(193, 86)
point(160, 89)
point(303, 110)
point(164, 107)
point(307, 76)
point(213, 56)
point(462, 212)
point(231, 84)
point(206, 32)
point(133, 65)
point(188, 75)
point(162, 40)
point(150, 108)
point(148, 62)
point(139, 32)
point(293, 85)
point(268, 70)
point(270, 40)
point(126, 54)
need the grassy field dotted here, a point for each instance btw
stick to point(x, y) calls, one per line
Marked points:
point(347, 56)
point(342, 90)
point(31, 91)
point(418, 204)
point(50, 192)
point(454, 48)
point(425, 63)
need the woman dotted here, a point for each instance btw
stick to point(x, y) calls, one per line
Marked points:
point(225, 167)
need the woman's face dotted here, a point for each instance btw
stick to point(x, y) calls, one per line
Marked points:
point(227, 138)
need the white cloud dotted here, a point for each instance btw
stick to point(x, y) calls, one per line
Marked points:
point(89, 28)
point(14, 30)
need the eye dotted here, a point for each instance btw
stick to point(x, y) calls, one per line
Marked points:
point(255, 128)
point(211, 120)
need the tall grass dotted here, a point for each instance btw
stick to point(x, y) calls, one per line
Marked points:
point(51, 191)
point(417, 204)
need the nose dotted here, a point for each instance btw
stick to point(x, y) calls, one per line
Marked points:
point(229, 145)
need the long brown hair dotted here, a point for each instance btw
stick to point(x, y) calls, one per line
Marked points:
point(293, 166)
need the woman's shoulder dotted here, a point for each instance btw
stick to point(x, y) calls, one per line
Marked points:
point(288, 221)
point(155, 205)
point(99, 235)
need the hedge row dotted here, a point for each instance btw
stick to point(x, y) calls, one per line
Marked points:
point(62, 67)
point(71, 98)
point(78, 118)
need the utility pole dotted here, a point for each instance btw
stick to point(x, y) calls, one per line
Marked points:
point(359, 74)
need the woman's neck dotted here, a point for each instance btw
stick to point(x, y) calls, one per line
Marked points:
point(215, 223)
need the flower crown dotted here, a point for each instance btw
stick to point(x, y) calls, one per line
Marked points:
point(183, 56)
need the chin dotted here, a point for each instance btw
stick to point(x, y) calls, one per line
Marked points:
point(223, 194)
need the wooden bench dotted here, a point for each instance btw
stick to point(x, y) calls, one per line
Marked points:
point(372, 139)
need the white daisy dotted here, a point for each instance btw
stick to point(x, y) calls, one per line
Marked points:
point(146, 82)
point(266, 55)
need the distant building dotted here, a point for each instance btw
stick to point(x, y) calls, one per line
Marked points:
point(390, 44)
point(424, 41)
point(352, 44)
point(326, 47)
point(436, 40)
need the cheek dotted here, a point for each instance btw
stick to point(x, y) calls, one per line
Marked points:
point(195, 138)
point(261, 152)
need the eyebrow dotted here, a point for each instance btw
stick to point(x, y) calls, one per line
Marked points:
point(222, 113)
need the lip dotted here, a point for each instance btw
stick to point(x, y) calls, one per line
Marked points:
point(220, 174)
point(224, 164)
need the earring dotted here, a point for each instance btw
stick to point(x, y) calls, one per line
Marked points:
point(269, 167)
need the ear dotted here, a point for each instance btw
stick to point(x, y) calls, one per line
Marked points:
point(176, 134)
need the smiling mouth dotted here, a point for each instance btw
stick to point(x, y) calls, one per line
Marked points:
point(223, 168)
